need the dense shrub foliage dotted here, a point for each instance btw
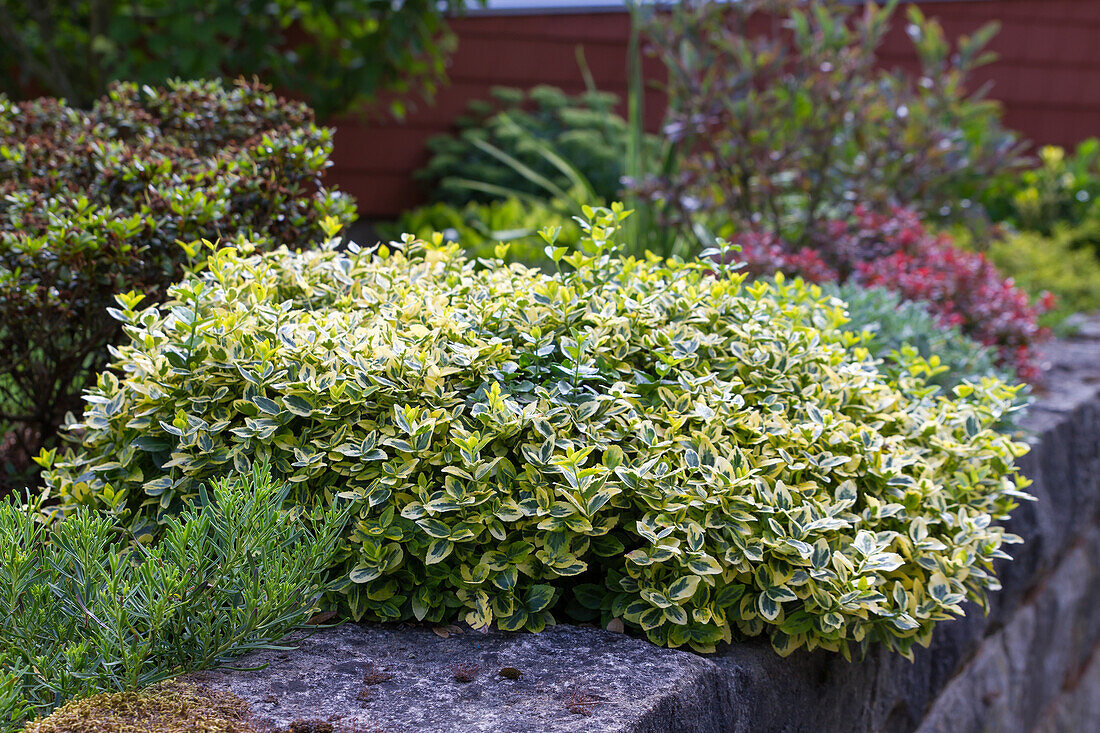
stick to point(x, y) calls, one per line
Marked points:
point(582, 131)
point(894, 324)
point(83, 610)
point(336, 54)
point(895, 251)
point(94, 203)
point(782, 119)
point(630, 439)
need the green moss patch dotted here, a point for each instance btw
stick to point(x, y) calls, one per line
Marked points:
point(164, 708)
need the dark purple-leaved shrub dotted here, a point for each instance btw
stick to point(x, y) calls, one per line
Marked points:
point(781, 119)
point(96, 202)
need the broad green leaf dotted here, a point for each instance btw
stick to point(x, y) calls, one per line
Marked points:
point(539, 597)
point(438, 550)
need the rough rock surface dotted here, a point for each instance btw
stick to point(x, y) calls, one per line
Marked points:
point(1037, 657)
point(404, 679)
point(1032, 664)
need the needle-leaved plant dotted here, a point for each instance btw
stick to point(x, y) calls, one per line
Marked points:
point(84, 609)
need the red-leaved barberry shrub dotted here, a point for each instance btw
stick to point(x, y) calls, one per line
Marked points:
point(895, 251)
point(964, 289)
point(763, 253)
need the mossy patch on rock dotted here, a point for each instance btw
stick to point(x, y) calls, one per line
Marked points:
point(169, 707)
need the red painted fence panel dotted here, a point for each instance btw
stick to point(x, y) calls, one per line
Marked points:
point(1047, 75)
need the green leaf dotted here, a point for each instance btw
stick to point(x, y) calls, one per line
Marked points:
point(864, 543)
point(506, 579)
point(905, 622)
point(684, 588)
point(676, 615)
point(651, 619)
point(884, 562)
point(538, 598)
point(298, 405)
point(729, 594)
point(613, 457)
point(434, 527)
point(269, 406)
point(438, 550)
point(514, 622)
point(780, 593)
point(768, 607)
point(704, 565)
point(938, 587)
point(364, 573)
point(590, 595)
point(158, 486)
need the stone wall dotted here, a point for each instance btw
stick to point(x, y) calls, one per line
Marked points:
point(1030, 665)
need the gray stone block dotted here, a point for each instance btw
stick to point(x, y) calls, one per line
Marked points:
point(1035, 659)
point(571, 679)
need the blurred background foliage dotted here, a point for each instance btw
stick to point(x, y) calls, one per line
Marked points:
point(336, 54)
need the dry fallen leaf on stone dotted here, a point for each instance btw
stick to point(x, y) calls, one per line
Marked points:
point(319, 618)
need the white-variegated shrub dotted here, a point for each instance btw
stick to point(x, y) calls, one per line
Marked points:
point(631, 439)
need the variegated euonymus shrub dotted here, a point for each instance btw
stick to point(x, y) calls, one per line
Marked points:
point(630, 439)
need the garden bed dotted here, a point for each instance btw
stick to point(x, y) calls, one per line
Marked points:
point(762, 381)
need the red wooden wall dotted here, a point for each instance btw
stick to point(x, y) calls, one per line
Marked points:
point(1047, 76)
